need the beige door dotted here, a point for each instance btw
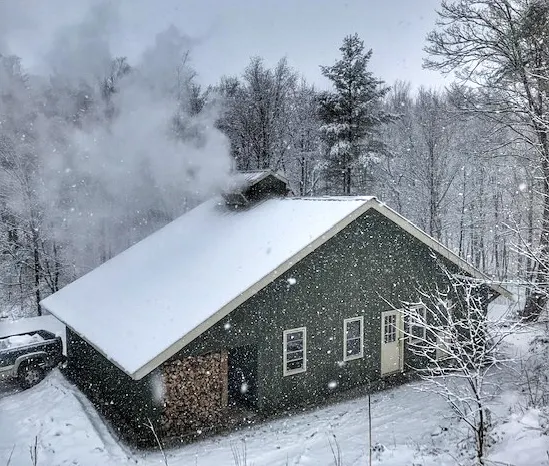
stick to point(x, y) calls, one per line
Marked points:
point(391, 342)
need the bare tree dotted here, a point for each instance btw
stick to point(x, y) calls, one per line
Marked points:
point(303, 161)
point(29, 250)
point(257, 113)
point(456, 346)
point(501, 48)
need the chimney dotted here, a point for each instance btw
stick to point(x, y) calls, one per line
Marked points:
point(250, 187)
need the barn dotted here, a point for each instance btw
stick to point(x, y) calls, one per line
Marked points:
point(252, 303)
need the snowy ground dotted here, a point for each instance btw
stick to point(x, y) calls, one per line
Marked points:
point(406, 421)
point(412, 425)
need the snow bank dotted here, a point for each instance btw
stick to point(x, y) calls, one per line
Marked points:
point(523, 439)
point(63, 424)
point(409, 426)
point(69, 431)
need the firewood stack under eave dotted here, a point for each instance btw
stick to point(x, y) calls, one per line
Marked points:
point(195, 394)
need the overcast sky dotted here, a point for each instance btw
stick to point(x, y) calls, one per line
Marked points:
point(229, 32)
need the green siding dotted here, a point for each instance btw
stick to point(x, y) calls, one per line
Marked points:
point(116, 394)
point(358, 272)
point(367, 268)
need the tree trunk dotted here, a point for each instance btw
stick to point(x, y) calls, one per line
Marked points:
point(348, 181)
point(536, 301)
point(36, 270)
point(462, 215)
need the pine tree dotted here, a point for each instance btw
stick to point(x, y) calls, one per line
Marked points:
point(351, 113)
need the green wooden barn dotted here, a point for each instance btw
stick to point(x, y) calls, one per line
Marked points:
point(253, 302)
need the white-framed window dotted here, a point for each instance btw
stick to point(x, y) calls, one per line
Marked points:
point(417, 330)
point(295, 351)
point(444, 336)
point(353, 338)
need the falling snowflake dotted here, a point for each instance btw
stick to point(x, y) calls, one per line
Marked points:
point(332, 384)
point(291, 281)
point(227, 325)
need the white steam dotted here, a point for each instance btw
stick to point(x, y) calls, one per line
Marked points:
point(113, 169)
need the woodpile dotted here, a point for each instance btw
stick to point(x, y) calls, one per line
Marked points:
point(195, 396)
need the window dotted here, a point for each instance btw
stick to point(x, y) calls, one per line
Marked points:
point(352, 343)
point(295, 350)
point(389, 328)
point(444, 335)
point(416, 324)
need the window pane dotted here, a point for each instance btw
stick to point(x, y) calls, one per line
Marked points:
point(417, 331)
point(417, 316)
point(292, 365)
point(294, 355)
point(294, 336)
point(354, 346)
point(389, 329)
point(294, 351)
point(296, 345)
point(417, 324)
point(353, 329)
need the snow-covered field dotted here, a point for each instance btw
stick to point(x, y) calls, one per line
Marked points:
point(407, 422)
point(410, 426)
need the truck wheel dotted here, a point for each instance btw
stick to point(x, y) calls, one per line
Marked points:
point(30, 374)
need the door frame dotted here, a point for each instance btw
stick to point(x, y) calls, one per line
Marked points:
point(400, 338)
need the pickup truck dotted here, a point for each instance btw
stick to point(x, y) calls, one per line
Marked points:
point(28, 356)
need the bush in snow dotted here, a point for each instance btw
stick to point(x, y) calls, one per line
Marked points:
point(458, 346)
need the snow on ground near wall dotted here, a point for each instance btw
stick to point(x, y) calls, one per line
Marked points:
point(68, 430)
point(62, 422)
point(32, 324)
point(413, 427)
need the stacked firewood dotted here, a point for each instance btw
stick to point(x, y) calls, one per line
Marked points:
point(195, 393)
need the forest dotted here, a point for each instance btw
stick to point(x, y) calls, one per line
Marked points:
point(99, 152)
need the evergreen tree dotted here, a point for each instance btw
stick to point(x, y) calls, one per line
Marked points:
point(351, 113)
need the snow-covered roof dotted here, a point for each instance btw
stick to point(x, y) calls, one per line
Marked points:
point(141, 303)
point(141, 307)
point(242, 180)
point(253, 176)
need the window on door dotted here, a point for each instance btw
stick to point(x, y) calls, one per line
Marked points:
point(389, 328)
point(353, 331)
point(295, 350)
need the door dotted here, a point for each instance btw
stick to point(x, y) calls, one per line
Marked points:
point(242, 376)
point(392, 353)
